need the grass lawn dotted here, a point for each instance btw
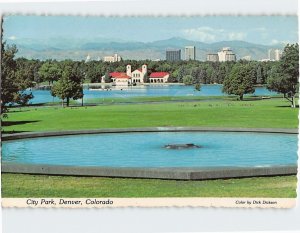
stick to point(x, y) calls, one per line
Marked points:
point(22, 186)
point(269, 113)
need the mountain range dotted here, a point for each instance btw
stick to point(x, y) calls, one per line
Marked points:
point(78, 49)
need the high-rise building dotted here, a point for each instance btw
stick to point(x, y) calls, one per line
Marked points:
point(212, 57)
point(173, 55)
point(274, 54)
point(271, 54)
point(113, 58)
point(190, 53)
point(88, 58)
point(226, 54)
point(278, 54)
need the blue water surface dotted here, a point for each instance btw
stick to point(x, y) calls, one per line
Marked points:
point(44, 96)
point(147, 150)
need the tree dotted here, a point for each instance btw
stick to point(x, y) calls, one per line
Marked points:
point(240, 80)
point(107, 78)
point(146, 78)
point(13, 82)
point(68, 86)
point(203, 76)
point(284, 77)
point(188, 79)
point(198, 87)
point(258, 75)
point(181, 74)
point(50, 72)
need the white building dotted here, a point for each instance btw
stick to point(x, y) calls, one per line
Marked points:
point(190, 53)
point(274, 54)
point(213, 57)
point(137, 76)
point(278, 54)
point(122, 80)
point(226, 54)
point(88, 58)
point(159, 77)
point(264, 60)
point(113, 58)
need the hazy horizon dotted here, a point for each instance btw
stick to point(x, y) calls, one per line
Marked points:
point(266, 30)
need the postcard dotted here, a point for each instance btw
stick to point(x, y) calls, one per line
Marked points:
point(148, 111)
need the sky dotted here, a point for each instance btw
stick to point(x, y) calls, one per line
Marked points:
point(267, 30)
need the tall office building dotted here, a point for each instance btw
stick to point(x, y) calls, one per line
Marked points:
point(173, 55)
point(212, 57)
point(226, 54)
point(274, 54)
point(271, 54)
point(190, 53)
point(278, 54)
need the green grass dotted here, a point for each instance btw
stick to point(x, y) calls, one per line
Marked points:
point(149, 99)
point(152, 99)
point(18, 185)
point(270, 113)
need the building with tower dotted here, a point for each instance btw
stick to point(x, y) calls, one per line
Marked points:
point(136, 76)
point(190, 53)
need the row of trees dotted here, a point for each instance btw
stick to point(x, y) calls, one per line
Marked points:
point(282, 77)
point(66, 77)
point(204, 72)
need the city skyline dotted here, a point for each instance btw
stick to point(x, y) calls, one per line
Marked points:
point(267, 30)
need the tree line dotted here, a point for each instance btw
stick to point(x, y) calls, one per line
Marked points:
point(199, 71)
point(66, 77)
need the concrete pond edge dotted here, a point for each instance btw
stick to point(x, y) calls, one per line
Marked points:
point(15, 136)
point(151, 173)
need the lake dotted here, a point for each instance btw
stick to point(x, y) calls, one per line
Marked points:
point(44, 96)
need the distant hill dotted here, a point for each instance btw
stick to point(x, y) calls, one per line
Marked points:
point(78, 49)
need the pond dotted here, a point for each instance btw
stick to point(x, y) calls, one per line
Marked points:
point(147, 150)
point(44, 96)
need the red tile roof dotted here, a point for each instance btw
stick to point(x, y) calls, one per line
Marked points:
point(158, 74)
point(118, 75)
point(123, 75)
point(115, 74)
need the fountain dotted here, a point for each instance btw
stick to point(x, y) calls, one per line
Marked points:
point(181, 146)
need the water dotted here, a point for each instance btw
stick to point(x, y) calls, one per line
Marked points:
point(44, 96)
point(146, 150)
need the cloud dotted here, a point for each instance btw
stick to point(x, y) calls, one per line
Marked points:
point(278, 42)
point(205, 34)
point(236, 36)
point(208, 34)
point(12, 37)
